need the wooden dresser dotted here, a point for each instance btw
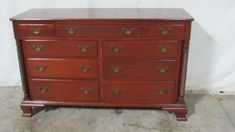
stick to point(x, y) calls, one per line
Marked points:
point(103, 58)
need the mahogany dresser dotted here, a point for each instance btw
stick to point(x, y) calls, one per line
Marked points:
point(103, 58)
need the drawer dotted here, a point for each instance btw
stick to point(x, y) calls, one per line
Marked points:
point(63, 68)
point(84, 30)
point(141, 49)
point(36, 30)
point(139, 69)
point(60, 48)
point(139, 92)
point(162, 30)
point(64, 90)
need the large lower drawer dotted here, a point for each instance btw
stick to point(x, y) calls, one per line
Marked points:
point(64, 90)
point(59, 48)
point(63, 68)
point(139, 92)
point(139, 69)
point(141, 49)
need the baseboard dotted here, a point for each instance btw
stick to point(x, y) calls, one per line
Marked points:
point(215, 92)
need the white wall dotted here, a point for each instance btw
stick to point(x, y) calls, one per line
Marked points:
point(212, 52)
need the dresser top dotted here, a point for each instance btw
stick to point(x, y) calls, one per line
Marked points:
point(104, 14)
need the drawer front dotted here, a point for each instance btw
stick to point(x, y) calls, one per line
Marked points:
point(139, 69)
point(36, 30)
point(63, 68)
point(168, 31)
point(64, 90)
point(139, 92)
point(60, 48)
point(76, 30)
point(141, 49)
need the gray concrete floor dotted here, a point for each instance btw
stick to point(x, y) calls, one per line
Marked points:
point(207, 113)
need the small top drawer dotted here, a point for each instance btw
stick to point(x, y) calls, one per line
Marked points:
point(165, 30)
point(99, 30)
point(36, 30)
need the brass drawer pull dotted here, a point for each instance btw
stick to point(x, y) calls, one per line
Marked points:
point(85, 90)
point(71, 30)
point(43, 89)
point(161, 91)
point(128, 30)
point(83, 48)
point(116, 90)
point(116, 69)
point(164, 31)
point(162, 69)
point(36, 30)
point(85, 68)
point(116, 48)
point(41, 67)
point(164, 49)
point(37, 47)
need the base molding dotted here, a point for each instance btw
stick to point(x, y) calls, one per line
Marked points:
point(30, 107)
point(180, 113)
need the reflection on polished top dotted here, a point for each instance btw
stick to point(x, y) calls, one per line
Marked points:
point(104, 13)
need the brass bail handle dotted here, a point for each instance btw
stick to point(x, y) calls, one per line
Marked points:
point(116, 48)
point(164, 31)
point(164, 48)
point(41, 67)
point(162, 69)
point(37, 47)
point(128, 30)
point(85, 90)
point(116, 68)
point(161, 91)
point(83, 48)
point(44, 89)
point(85, 68)
point(116, 90)
point(71, 30)
point(36, 30)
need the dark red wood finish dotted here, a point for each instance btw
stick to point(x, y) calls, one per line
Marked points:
point(175, 30)
point(97, 30)
point(64, 90)
point(59, 48)
point(107, 14)
point(104, 57)
point(139, 92)
point(139, 69)
point(36, 30)
point(62, 68)
point(135, 49)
